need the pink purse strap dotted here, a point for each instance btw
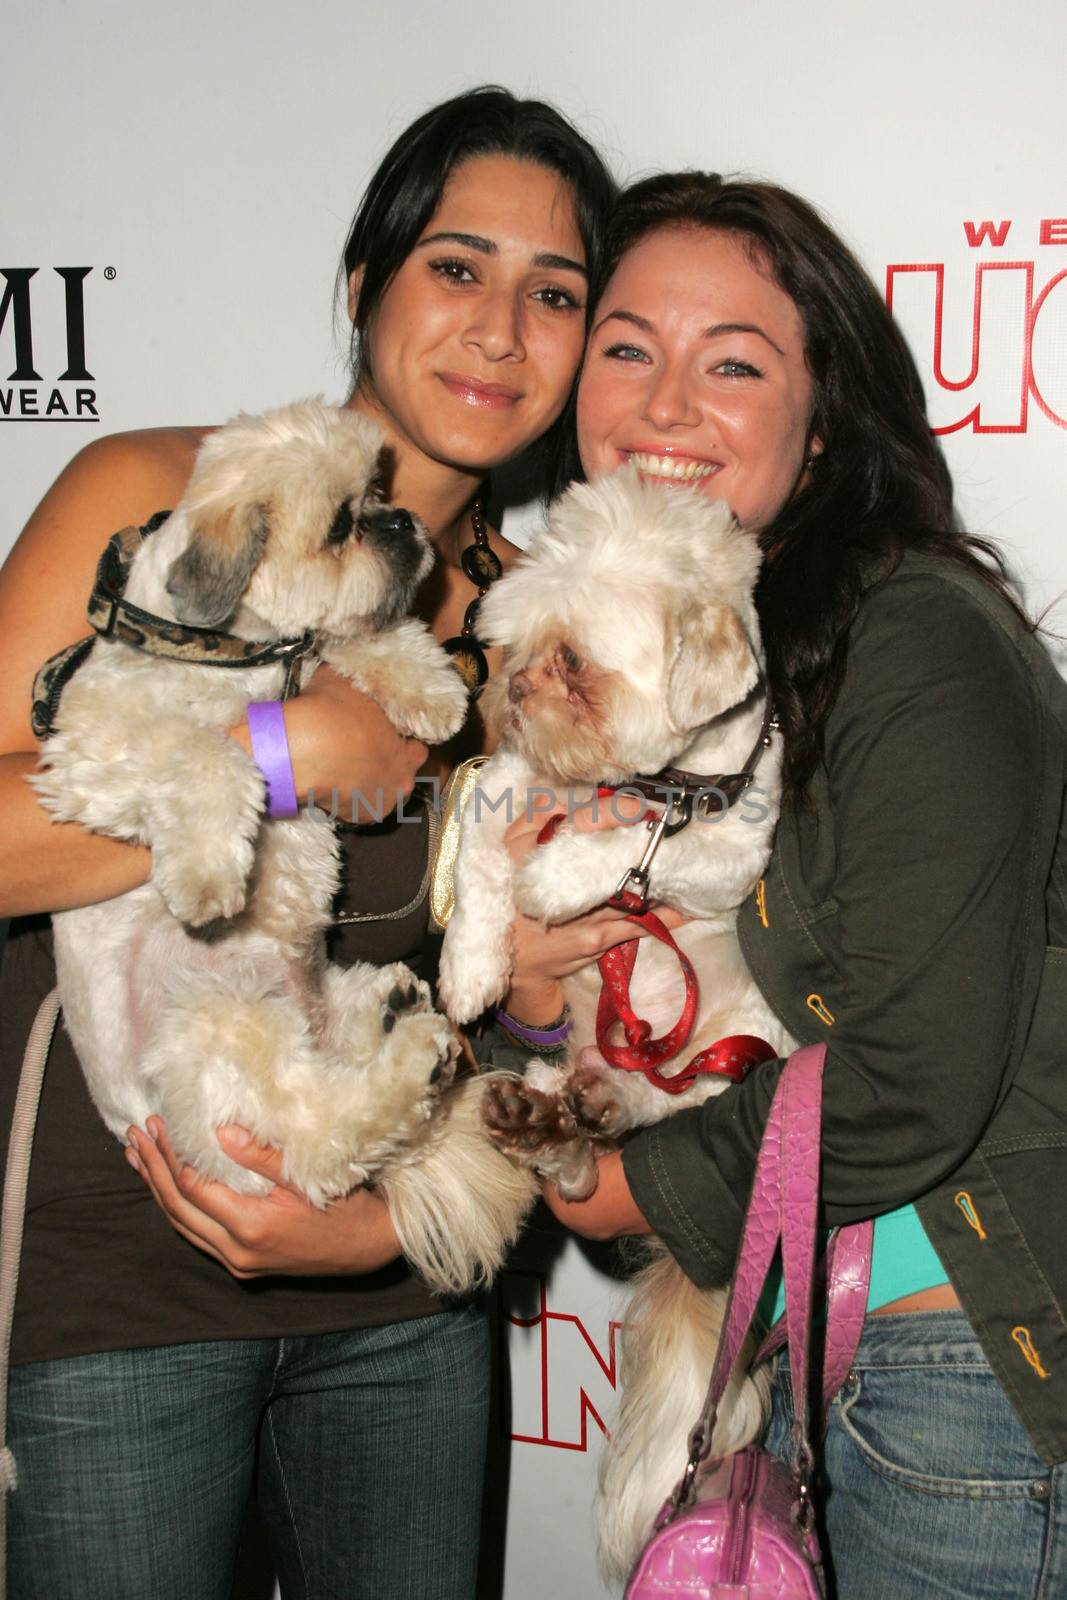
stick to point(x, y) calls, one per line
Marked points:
point(784, 1204)
point(847, 1267)
point(801, 1115)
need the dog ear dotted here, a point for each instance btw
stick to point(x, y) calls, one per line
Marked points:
point(207, 580)
point(714, 666)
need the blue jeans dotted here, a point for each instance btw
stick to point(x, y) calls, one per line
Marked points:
point(931, 1487)
point(364, 1449)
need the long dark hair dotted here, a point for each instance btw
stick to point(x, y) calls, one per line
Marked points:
point(880, 485)
point(406, 190)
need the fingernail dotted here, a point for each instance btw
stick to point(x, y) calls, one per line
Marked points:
point(134, 1159)
point(234, 1134)
point(152, 1127)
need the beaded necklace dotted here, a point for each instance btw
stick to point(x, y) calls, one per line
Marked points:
point(482, 566)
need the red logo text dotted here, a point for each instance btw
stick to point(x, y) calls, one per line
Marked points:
point(990, 335)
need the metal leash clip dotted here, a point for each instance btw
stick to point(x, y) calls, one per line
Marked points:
point(632, 892)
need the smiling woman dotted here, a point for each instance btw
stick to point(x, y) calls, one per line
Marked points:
point(338, 1390)
point(740, 346)
point(696, 372)
point(470, 353)
point(523, 252)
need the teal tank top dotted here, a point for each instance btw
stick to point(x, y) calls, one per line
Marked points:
point(903, 1261)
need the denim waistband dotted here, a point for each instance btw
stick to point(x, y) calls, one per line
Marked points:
point(919, 1338)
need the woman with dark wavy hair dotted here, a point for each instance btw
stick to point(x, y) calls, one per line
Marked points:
point(290, 1354)
point(914, 913)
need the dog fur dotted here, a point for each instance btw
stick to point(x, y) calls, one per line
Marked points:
point(205, 996)
point(631, 643)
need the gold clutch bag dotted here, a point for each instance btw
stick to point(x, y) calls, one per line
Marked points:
point(454, 799)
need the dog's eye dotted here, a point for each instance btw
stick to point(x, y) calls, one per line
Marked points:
point(342, 524)
point(571, 661)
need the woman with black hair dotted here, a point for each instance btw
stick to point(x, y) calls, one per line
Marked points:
point(154, 1388)
point(914, 913)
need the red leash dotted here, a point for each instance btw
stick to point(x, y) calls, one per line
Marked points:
point(731, 1057)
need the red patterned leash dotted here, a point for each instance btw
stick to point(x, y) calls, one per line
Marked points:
point(731, 1057)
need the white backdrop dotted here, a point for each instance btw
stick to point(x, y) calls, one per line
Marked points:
point(202, 161)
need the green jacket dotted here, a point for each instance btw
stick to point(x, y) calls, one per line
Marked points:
point(914, 916)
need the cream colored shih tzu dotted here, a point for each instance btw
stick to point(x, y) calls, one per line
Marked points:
point(205, 996)
point(632, 649)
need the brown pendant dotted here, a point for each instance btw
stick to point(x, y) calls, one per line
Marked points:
point(481, 564)
point(468, 658)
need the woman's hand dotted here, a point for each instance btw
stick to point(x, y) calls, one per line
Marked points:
point(608, 1213)
point(544, 955)
point(341, 741)
point(256, 1235)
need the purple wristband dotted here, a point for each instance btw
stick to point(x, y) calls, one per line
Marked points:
point(270, 752)
point(547, 1038)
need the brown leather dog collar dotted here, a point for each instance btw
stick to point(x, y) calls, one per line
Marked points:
point(112, 616)
point(686, 789)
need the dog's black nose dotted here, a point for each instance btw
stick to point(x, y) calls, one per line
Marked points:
point(393, 521)
point(342, 524)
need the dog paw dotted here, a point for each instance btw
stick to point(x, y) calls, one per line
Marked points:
point(54, 789)
point(539, 1130)
point(439, 710)
point(397, 1055)
point(409, 1017)
point(524, 1121)
point(197, 893)
point(598, 1107)
point(418, 1043)
point(402, 998)
point(421, 1056)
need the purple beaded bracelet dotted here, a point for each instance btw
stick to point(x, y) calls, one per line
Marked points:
point(550, 1038)
point(270, 752)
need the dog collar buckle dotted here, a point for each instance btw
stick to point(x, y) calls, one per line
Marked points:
point(293, 653)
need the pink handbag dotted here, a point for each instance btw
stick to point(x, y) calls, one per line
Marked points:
point(742, 1527)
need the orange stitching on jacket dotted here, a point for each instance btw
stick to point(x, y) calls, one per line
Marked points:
point(1026, 1345)
point(761, 902)
point(817, 1004)
point(967, 1206)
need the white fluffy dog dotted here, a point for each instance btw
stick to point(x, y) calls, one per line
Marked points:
point(631, 645)
point(205, 995)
